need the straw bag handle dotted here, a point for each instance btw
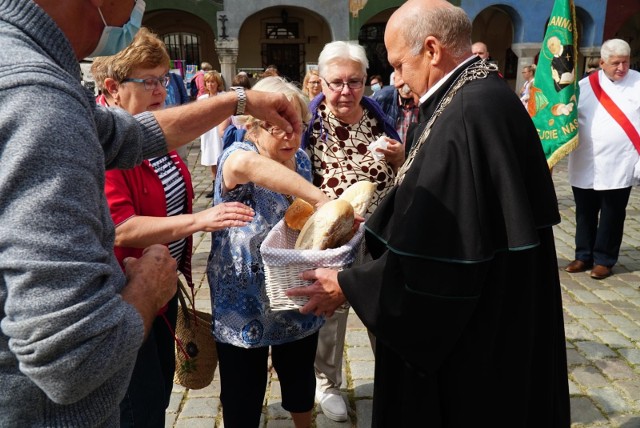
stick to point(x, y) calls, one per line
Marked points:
point(182, 295)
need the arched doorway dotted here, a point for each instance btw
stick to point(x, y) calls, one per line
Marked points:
point(188, 37)
point(290, 38)
point(494, 27)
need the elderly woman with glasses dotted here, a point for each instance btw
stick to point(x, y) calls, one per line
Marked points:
point(312, 84)
point(265, 172)
point(344, 123)
point(151, 204)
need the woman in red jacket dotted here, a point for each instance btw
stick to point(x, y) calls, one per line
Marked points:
point(152, 204)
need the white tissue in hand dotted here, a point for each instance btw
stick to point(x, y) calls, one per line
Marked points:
point(379, 143)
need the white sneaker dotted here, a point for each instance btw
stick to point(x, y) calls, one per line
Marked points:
point(332, 404)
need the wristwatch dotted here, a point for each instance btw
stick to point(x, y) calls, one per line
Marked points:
point(242, 99)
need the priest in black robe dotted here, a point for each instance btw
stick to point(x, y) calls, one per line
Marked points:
point(463, 293)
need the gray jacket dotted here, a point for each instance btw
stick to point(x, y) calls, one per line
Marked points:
point(68, 341)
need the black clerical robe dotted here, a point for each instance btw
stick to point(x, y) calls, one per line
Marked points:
point(464, 295)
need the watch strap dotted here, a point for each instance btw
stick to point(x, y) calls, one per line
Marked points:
point(241, 103)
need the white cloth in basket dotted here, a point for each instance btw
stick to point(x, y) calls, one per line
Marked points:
point(283, 264)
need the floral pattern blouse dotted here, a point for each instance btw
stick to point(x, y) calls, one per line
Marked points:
point(239, 302)
point(340, 155)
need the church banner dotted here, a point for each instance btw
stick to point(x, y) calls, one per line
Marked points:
point(553, 100)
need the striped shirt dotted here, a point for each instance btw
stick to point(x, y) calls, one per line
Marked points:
point(175, 193)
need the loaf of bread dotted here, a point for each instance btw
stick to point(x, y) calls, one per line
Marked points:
point(359, 195)
point(331, 226)
point(298, 213)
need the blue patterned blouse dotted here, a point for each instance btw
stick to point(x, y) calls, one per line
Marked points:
point(239, 301)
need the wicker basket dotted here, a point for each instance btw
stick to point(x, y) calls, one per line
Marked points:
point(283, 264)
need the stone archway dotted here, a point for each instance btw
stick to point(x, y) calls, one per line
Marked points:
point(167, 21)
point(494, 26)
point(240, 30)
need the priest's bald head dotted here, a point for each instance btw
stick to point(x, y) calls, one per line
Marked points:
point(425, 40)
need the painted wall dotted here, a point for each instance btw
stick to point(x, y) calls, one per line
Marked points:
point(530, 17)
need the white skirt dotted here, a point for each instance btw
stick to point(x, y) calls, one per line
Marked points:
point(210, 147)
point(210, 144)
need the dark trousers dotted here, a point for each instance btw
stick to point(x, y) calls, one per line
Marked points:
point(598, 240)
point(243, 379)
point(149, 390)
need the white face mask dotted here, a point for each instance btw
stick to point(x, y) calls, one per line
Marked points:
point(375, 87)
point(115, 39)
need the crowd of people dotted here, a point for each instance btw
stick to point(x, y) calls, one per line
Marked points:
point(463, 209)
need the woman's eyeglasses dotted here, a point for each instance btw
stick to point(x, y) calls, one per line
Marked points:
point(279, 133)
point(338, 86)
point(151, 83)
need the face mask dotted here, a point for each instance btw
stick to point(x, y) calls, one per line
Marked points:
point(115, 39)
point(375, 87)
point(405, 90)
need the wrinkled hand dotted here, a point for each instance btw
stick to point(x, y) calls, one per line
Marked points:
point(151, 279)
point(394, 153)
point(275, 109)
point(325, 294)
point(228, 214)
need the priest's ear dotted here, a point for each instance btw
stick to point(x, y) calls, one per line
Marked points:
point(432, 49)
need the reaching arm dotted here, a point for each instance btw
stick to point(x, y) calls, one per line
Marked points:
point(182, 124)
point(244, 166)
point(142, 231)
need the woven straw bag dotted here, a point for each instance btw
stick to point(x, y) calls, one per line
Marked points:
point(196, 355)
point(283, 264)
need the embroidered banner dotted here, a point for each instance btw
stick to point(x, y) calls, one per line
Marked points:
point(553, 102)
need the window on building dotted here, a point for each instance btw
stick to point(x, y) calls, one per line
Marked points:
point(283, 46)
point(183, 46)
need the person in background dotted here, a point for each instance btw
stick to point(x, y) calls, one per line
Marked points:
point(177, 95)
point(401, 106)
point(241, 79)
point(198, 80)
point(176, 91)
point(343, 124)
point(376, 83)
point(235, 131)
point(528, 74)
point(151, 204)
point(271, 70)
point(480, 49)
point(311, 84)
point(266, 171)
point(603, 168)
point(470, 215)
point(593, 65)
point(72, 319)
point(211, 141)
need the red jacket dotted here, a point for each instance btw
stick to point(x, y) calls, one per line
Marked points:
point(139, 191)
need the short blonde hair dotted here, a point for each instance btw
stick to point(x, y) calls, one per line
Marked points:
point(307, 77)
point(279, 85)
point(214, 76)
point(145, 51)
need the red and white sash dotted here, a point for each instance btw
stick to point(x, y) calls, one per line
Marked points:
point(615, 112)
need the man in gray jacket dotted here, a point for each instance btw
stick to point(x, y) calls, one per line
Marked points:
point(71, 321)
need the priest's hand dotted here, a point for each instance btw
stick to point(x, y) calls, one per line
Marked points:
point(325, 294)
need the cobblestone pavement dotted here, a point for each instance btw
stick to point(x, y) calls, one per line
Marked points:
point(602, 322)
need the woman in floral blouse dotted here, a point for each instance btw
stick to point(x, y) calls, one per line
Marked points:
point(264, 172)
